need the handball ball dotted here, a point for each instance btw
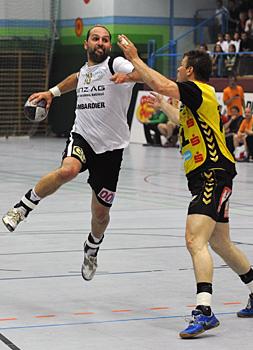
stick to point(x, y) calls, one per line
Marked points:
point(35, 112)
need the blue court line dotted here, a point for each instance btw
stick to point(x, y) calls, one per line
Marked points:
point(104, 322)
point(78, 275)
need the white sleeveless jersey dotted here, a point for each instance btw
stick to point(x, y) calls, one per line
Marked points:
point(101, 109)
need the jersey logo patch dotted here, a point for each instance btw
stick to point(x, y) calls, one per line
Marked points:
point(88, 77)
point(224, 197)
point(106, 195)
point(78, 151)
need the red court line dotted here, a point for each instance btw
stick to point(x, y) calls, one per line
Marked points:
point(8, 319)
point(191, 305)
point(122, 310)
point(159, 308)
point(232, 303)
point(44, 316)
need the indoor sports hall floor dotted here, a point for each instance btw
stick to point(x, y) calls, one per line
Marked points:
point(144, 287)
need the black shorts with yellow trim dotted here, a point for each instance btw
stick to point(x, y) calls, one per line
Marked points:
point(211, 190)
point(103, 167)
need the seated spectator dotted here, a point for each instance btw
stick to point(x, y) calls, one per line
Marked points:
point(249, 23)
point(224, 117)
point(217, 61)
point(244, 131)
point(231, 127)
point(231, 60)
point(152, 125)
point(204, 48)
point(249, 142)
point(221, 41)
point(233, 95)
point(236, 41)
point(170, 131)
point(227, 42)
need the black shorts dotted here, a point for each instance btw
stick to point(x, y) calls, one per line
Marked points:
point(103, 167)
point(211, 191)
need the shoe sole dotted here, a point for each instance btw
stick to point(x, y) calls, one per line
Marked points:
point(244, 316)
point(86, 279)
point(189, 336)
point(8, 226)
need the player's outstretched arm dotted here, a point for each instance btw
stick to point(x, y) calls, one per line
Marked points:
point(152, 78)
point(66, 85)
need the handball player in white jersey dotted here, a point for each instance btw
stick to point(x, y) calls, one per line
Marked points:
point(97, 139)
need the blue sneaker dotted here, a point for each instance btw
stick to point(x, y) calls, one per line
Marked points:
point(248, 311)
point(199, 324)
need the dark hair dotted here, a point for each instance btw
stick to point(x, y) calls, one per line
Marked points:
point(236, 108)
point(100, 26)
point(201, 63)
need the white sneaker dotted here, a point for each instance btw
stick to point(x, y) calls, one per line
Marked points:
point(89, 267)
point(13, 218)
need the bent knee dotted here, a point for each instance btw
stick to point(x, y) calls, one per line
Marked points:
point(69, 173)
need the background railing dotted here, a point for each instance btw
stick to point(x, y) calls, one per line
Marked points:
point(203, 32)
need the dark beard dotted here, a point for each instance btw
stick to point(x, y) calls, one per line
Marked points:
point(98, 58)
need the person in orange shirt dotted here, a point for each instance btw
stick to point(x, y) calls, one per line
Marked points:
point(233, 95)
point(244, 130)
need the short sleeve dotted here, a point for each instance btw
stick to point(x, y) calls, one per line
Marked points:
point(190, 95)
point(120, 64)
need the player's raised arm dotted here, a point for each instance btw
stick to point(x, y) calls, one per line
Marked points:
point(66, 85)
point(152, 78)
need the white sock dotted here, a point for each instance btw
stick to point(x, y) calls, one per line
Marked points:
point(34, 196)
point(250, 286)
point(96, 240)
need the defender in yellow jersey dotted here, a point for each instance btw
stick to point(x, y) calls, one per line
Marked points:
point(209, 168)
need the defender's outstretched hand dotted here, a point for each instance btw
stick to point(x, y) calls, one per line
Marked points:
point(155, 101)
point(127, 47)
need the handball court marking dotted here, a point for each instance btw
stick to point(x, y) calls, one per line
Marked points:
point(144, 286)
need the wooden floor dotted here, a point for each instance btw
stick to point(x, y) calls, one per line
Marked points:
point(144, 286)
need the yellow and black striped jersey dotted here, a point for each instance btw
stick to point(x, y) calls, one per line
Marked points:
point(202, 136)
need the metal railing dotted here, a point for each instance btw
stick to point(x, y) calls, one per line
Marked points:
point(184, 42)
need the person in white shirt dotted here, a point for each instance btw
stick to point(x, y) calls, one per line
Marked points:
point(96, 142)
point(236, 41)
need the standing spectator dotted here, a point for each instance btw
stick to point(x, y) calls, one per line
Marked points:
point(241, 22)
point(246, 60)
point(152, 125)
point(231, 127)
point(231, 60)
point(233, 95)
point(217, 61)
point(222, 14)
point(233, 15)
point(249, 23)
